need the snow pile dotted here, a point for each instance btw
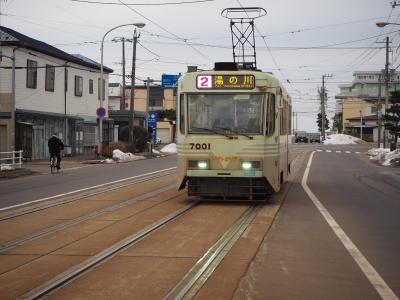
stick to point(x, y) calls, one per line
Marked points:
point(6, 167)
point(109, 161)
point(392, 158)
point(341, 139)
point(170, 148)
point(377, 151)
point(120, 156)
point(156, 151)
point(384, 157)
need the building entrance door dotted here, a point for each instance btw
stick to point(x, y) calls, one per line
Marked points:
point(38, 142)
point(3, 138)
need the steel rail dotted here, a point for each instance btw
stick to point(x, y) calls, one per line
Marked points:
point(93, 214)
point(79, 195)
point(76, 271)
point(196, 277)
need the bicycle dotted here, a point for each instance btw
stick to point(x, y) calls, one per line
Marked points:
point(53, 163)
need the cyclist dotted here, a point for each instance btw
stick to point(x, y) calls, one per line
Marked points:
point(55, 147)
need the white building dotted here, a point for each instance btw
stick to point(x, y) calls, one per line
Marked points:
point(55, 92)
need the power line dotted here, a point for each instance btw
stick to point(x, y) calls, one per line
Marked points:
point(164, 29)
point(143, 4)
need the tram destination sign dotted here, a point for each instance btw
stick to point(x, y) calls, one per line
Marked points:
point(225, 82)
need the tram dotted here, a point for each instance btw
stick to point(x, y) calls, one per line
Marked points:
point(234, 129)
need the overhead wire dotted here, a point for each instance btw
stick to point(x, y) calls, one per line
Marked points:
point(164, 29)
point(143, 4)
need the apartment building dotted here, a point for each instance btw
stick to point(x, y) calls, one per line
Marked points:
point(358, 100)
point(55, 92)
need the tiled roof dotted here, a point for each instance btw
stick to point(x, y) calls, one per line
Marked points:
point(9, 37)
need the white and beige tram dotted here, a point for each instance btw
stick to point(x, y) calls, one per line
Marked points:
point(233, 133)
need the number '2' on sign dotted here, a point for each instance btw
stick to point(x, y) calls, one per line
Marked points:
point(204, 82)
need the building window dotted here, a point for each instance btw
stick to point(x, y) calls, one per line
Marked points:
point(78, 86)
point(31, 74)
point(98, 89)
point(50, 77)
point(90, 86)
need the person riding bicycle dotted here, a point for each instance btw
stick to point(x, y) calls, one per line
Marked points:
point(55, 146)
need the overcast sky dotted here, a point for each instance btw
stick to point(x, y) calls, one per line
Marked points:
point(77, 27)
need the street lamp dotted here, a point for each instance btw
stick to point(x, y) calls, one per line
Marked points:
point(383, 24)
point(102, 89)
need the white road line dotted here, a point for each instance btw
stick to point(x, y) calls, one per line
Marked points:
point(319, 150)
point(328, 151)
point(375, 279)
point(357, 152)
point(82, 190)
point(348, 152)
point(338, 151)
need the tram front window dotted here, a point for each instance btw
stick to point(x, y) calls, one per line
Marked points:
point(228, 113)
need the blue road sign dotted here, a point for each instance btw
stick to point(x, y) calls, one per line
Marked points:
point(101, 112)
point(152, 122)
point(168, 81)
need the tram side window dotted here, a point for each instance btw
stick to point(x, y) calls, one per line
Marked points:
point(270, 117)
point(182, 114)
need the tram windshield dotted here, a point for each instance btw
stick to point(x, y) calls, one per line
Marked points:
point(225, 113)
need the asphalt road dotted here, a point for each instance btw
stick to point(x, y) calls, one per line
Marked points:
point(302, 257)
point(30, 188)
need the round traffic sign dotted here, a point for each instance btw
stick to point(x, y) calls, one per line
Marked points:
point(101, 112)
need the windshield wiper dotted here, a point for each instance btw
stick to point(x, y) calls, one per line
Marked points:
point(214, 131)
point(236, 132)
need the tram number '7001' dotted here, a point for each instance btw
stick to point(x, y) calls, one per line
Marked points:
point(198, 146)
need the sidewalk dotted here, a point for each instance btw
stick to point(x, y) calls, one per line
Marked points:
point(43, 166)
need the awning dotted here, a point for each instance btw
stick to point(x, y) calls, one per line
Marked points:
point(46, 114)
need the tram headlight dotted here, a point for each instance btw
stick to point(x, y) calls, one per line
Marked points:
point(202, 165)
point(198, 164)
point(246, 165)
point(251, 165)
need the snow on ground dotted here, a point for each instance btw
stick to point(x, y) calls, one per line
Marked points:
point(6, 167)
point(120, 156)
point(156, 151)
point(341, 139)
point(384, 157)
point(170, 148)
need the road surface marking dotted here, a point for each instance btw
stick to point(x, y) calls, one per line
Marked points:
point(373, 276)
point(347, 152)
point(338, 151)
point(319, 150)
point(328, 150)
point(357, 152)
point(84, 189)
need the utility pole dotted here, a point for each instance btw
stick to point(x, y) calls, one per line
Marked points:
point(323, 100)
point(379, 110)
point(342, 120)
point(133, 74)
point(361, 125)
point(387, 79)
point(122, 103)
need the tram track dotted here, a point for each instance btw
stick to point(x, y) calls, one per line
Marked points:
point(91, 215)
point(196, 277)
point(103, 256)
point(58, 200)
point(190, 283)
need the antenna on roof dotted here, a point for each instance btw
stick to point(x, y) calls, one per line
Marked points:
point(242, 29)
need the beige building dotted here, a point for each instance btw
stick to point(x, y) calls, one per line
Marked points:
point(360, 99)
point(159, 99)
point(55, 93)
